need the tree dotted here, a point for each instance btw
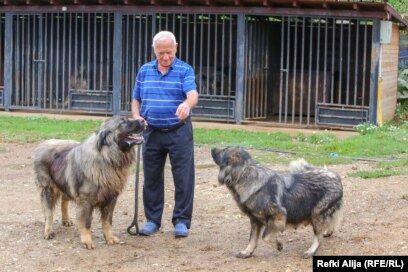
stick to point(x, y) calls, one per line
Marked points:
point(399, 5)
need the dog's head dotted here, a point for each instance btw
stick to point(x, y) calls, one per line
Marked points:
point(122, 131)
point(230, 160)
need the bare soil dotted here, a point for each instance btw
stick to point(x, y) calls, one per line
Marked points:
point(375, 223)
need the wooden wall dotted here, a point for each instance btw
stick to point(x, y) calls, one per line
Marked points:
point(389, 71)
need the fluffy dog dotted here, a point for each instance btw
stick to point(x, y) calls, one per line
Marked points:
point(273, 200)
point(92, 173)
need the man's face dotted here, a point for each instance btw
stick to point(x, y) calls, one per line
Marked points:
point(165, 51)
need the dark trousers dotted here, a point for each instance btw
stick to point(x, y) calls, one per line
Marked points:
point(179, 145)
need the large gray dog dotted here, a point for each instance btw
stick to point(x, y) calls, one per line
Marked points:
point(273, 199)
point(92, 173)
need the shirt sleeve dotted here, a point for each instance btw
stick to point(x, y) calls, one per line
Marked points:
point(138, 84)
point(189, 80)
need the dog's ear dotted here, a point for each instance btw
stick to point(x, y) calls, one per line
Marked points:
point(102, 139)
point(244, 155)
point(238, 156)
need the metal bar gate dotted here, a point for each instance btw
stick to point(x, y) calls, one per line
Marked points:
point(206, 41)
point(2, 50)
point(297, 70)
point(324, 71)
point(65, 61)
point(60, 59)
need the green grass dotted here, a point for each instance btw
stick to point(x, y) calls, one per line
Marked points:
point(379, 173)
point(35, 129)
point(384, 169)
point(388, 143)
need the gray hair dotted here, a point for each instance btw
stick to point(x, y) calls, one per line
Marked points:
point(164, 35)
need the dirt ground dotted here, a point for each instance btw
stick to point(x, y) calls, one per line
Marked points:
point(375, 223)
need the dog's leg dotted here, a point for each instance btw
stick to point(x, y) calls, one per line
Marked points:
point(318, 228)
point(66, 221)
point(106, 219)
point(253, 240)
point(49, 198)
point(315, 245)
point(84, 221)
point(324, 218)
point(333, 220)
point(273, 227)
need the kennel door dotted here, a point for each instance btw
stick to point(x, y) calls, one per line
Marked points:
point(28, 67)
point(256, 68)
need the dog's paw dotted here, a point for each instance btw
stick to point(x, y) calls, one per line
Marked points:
point(112, 240)
point(307, 254)
point(279, 246)
point(87, 242)
point(49, 235)
point(67, 223)
point(243, 254)
point(88, 245)
point(328, 233)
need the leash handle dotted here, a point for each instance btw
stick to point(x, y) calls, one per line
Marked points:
point(134, 222)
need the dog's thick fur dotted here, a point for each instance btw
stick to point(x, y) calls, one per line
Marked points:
point(92, 173)
point(272, 200)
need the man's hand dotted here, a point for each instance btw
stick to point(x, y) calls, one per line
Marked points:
point(183, 110)
point(140, 118)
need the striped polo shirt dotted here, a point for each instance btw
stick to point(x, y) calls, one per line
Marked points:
point(160, 95)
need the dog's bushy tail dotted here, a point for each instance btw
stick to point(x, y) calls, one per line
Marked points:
point(299, 166)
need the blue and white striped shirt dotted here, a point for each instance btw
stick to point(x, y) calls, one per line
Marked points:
point(160, 95)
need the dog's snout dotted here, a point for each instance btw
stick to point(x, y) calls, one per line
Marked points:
point(214, 152)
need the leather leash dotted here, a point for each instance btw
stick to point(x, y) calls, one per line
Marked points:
point(134, 223)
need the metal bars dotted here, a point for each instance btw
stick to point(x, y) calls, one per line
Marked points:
point(323, 61)
point(2, 50)
point(256, 67)
point(284, 69)
point(205, 41)
point(59, 53)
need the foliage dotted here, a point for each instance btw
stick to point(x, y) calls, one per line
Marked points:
point(401, 112)
point(400, 6)
point(403, 82)
point(389, 129)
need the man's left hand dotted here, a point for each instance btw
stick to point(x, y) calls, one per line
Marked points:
point(183, 111)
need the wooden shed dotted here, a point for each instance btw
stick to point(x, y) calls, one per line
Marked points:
point(297, 63)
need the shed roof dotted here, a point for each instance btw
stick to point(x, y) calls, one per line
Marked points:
point(378, 9)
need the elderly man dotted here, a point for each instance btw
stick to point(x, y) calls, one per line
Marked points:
point(164, 94)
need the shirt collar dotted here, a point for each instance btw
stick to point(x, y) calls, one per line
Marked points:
point(173, 64)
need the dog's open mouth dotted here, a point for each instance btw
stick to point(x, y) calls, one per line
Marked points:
point(134, 139)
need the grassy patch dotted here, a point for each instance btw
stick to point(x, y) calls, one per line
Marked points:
point(34, 129)
point(320, 148)
point(380, 173)
point(3, 149)
point(384, 169)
